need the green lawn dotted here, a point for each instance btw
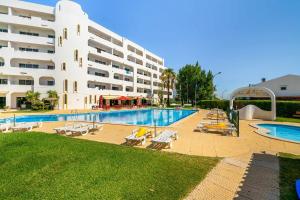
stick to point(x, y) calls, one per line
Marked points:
point(284, 119)
point(44, 166)
point(289, 172)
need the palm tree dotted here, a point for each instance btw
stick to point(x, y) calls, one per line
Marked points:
point(32, 96)
point(168, 77)
point(53, 98)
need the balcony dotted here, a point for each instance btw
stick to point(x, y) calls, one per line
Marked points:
point(100, 40)
point(33, 55)
point(15, 88)
point(98, 65)
point(94, 51)
point(33, 21)
point(15, 37)
point(122, 71)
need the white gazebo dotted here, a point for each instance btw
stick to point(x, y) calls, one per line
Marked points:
point(251, 111)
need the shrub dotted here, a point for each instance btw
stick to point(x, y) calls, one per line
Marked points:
point(37, 105)
point(283, 108)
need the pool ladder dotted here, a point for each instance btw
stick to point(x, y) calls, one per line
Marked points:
point(74, 114)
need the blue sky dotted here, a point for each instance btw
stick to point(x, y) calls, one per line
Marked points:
point(244, 39)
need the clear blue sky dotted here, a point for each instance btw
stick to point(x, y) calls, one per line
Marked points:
point(244, 39)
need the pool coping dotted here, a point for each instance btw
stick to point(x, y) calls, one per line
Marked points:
point(110, 123)
point(265, 132)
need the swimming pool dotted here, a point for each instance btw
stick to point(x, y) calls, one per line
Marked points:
point(161, 117)
point(287, 132)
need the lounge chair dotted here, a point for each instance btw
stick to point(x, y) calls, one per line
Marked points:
point(166, 137)
point(35, 124)
point(5, 127)
point(65, 129)
point(219, 127)
point(82, 130)
point(22, 127)
point(95, 127)
point(139, 136)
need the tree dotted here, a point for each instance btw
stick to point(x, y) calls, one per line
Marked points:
point(32, 96)
point(34, 99)
point(53, 98)
point(168, 78)
point(193, 83)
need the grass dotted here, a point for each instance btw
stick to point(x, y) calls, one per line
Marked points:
point(285, 119)
point(44, 166)
point(289, 172)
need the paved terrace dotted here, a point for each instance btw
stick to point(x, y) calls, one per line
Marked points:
point(246, 158)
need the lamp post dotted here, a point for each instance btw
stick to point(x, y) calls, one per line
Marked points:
point(216, 75)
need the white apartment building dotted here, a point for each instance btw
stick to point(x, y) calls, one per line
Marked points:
point(285, 87)
point(59, 48)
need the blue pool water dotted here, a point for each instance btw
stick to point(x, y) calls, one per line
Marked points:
point(161, 117)
point(287, 132)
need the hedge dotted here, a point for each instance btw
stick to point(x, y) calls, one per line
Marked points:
point(284, 108)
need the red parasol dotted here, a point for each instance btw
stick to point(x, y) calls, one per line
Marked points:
point(101, 101)
point(123, 98)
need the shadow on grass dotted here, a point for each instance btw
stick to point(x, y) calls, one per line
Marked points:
point(261, 179)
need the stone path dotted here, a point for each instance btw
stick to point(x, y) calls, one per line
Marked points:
point(249, 177)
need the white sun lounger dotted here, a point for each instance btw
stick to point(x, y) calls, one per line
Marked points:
point(65, 129)
point(95, 127)
point(22, 127)
point(83, 130)
point(132, 137)
point(166, 137)
point(5, 127)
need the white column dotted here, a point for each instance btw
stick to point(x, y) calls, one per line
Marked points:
point(8, 100)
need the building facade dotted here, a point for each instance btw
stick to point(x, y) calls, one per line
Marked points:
point(59, 48)
point(284, 87)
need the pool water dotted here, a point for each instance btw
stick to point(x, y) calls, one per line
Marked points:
point(287, 132)
point(149, 117)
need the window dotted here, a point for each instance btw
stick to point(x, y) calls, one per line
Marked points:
point(4, 30)
point(63, 66)
point(26, 82)
point(66, 85)
point(101, 87)
point(65, 33)
point(282, 88)
point(2, 63)
point(76, 55)
point(115, 66)
point(117, 77)
point(60, 41)
point(115, 88)
point(50, 67)
point(3, 81)
point(90, 99)
point(75, 86)
point(34, 66)
point(50, 83)
point(28, 49)
point(101, 62)
point(80, 62)
point(51, 36)
point(28, 33)
point(65, 99)
point(78, 29)
point(50, 51)
point(99, 74)
point(95, 99)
